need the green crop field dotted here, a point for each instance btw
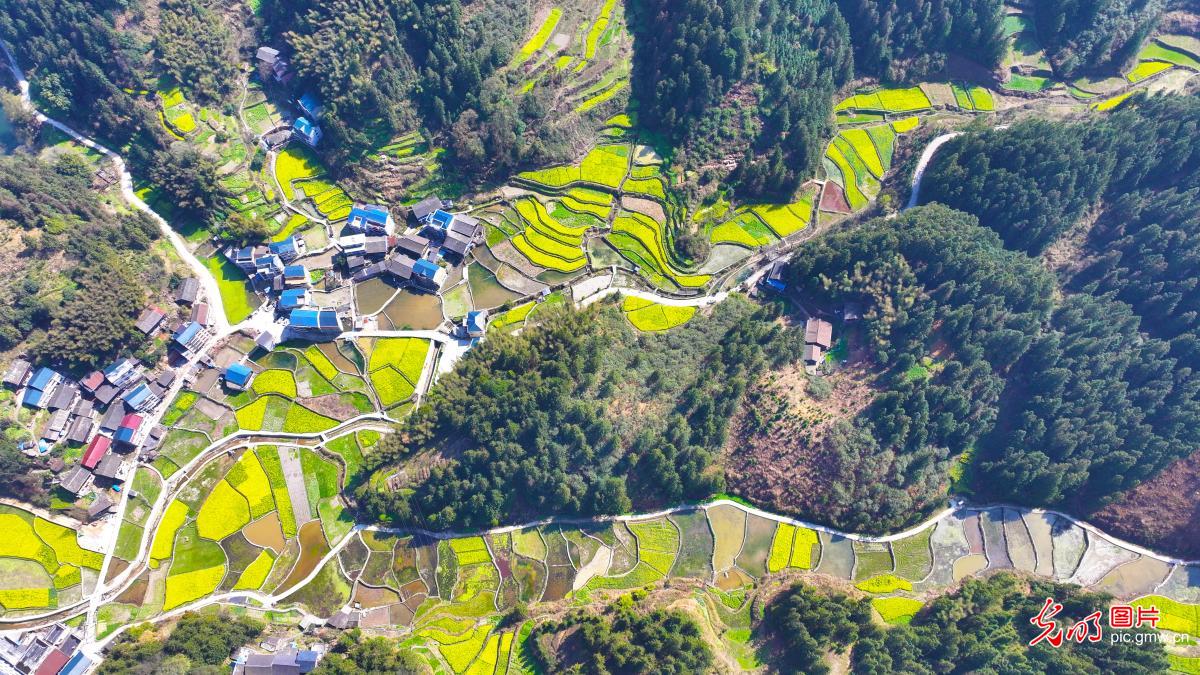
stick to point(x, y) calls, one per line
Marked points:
point(275, 381)
point(1145, 69)
point(26, 598)
point(470, 550)
point(268, 456)
point(234, 288)
point(223, 513)
point(1173, 616)
point(249, 478)
point(255, 574)
point(597, 29)
point(862, 145)
point(647, 233)
point(652, 317)
point(911, 99)
point(66, 546)
point(658, 542)
point(896, 610)
point(301, 420)
point(189, 586)
point(293, 164)
point(1156, 51)
point(164, 537)
point(884, 583)
point(849, 179)
point(539, 38)
point(321, 363)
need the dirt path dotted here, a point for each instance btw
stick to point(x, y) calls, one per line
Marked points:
point(293, 473)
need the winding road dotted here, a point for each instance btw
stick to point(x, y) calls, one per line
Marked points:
point(106, 591)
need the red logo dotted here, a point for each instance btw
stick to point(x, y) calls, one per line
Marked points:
point(1086, 630)
point(1125, 616)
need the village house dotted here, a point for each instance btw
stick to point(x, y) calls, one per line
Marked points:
point(189, 338)
point(773, 279)
point(103, 505)
point(238, 377)
point(311, 105)
point(188, 291)
point(149, 320)
point(275, 64)
point(41, 387)
point(315, 321)
point(307, 131)
point(17, 374)
point(412, 246)
point(95, 451)
point(123, 373)
point(75, 479)
point(64, 397)
point(127, 431)
point(475, 324)
point(818, 337)
point(81, 428)
point(112, 417)
point(288, 249)
point(296, 276)
point(200, 313)
point(292, 298)
point(371, 219)
point(141, 398)
point(420, 213)
point(428, 275)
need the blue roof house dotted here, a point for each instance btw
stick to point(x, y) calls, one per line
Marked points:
point(33, 398)
point(268, 264)
point(188, 337)
point(307, 131)
point(238, 376)
point(293, 298)
point(307, 659)
point(289, 249)
point(315, 320)
point(429, 274)
point(440, 221)
point(371, 219)
point(311, 105)
point(140, 397)
point(296, 276)
point(476, 323)
point(44, 378)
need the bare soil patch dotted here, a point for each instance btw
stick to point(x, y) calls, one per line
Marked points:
point(332, 405)
point(266, 532)
point(1163, 513)
point(834, 198)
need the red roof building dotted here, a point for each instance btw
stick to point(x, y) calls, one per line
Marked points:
point(53, 663)
point(131, 421)
point(93, 381)
point(95, 451)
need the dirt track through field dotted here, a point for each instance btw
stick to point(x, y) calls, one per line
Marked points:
point(293, 473)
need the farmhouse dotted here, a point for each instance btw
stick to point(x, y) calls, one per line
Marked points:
point(64, 397)
point(128, 429)
point(75, 479)
point(188, 291)
point(56, 427)
point(123, 373)
point(95, 451)
point(41, 387)
point(17, 373)
point(818, 336)
point(773, 279)
point(296, 276)
point(81, 428)
point(293, 298)
point(141, 398)
point(112, 418)
point(189, 338)
point(200, 313)
point(311, 105)
point(103, 504)
point(475, 325)
point(238, 377)
point(371, 219)
point(149, 320)
point(420, 213)
point(289, 249)
point(315, 321)
point(428, 275)
point(412, 246)
point(92, 381)
point(307, 131)
point(109, 469)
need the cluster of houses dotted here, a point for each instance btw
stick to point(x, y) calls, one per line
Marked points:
point(434, 235)
point(282, 657)
point(104, 411)
point(53, 650)
point(306, 126)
